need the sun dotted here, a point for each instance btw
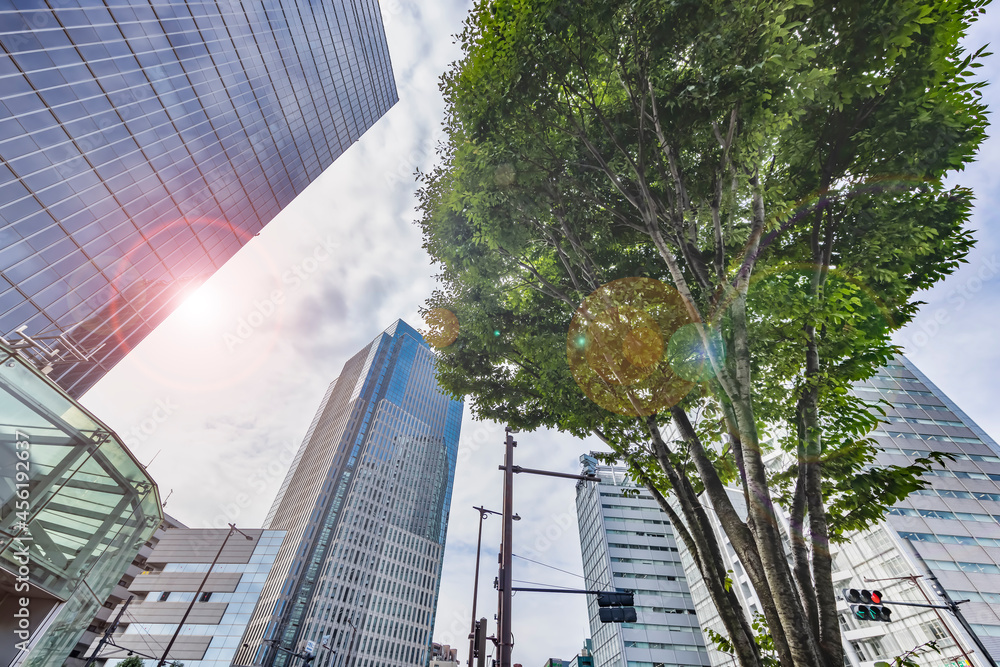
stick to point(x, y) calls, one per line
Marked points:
point(199, 308)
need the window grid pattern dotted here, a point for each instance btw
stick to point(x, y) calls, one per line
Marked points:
point(627, 543)
point(142, 143)
point(953, 523)
point(367, 502)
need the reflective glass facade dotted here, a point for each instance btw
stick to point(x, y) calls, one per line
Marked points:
point(142, 142)
point(75, 508)
point(365, 504)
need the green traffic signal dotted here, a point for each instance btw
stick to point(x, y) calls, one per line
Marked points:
point(872, 608)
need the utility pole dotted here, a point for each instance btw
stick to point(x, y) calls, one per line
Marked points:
point(505, 641)
point(166, 651)
point(107, 634)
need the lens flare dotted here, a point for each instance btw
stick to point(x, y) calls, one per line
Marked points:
point(616, 346)
point(690, 356)
point(442, 327)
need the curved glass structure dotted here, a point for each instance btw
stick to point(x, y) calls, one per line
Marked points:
point(75, 508)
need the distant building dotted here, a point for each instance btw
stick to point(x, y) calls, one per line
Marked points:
point(142, 144)
point(76, 509)
point(585, 658)
point(443, 655)
point(163, 592)
point(366, 505)
point(627, 543)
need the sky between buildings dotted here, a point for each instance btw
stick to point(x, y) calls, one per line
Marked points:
point(220, 396)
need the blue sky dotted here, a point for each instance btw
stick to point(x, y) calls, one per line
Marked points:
point(220, 396)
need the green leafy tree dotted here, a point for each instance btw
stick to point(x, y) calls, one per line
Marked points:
point(688, 226)
point(131, 661)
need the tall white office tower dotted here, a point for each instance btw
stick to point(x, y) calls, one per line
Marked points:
point(954, 525)
point(627, 543)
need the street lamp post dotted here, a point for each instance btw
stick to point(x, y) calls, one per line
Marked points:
point(504, 640)
point(350, 641)
point(483, 514)
point(166, 651)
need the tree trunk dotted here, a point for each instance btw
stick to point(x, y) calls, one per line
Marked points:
point(735, 529)
point(802, 644)
point(822, 563)
point(801, 567)
point(708, 555)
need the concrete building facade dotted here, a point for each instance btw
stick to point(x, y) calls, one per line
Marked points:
point(627, 543)
point(954, 525)
point(175, 569)
point(365, 504)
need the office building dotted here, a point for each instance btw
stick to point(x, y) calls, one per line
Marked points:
point(954, 524)
point(143, 143)
point(585, 658)
point(105, 616)
point(163, 592)
point(75, 509)
point(365, 504)
point(627, 543)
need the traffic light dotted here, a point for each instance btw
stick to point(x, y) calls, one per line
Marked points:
point(617, 615)
point(867, 605)
point(616, 607)
point(615, 599)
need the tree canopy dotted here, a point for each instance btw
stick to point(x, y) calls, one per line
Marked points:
point(688, 226)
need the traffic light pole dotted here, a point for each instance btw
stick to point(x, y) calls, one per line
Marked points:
point(483, 514)
point(505, 641)
point(953, 606)
point(947, 628)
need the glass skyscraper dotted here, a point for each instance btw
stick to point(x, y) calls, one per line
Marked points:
point(365, 505)
point(143, 142)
